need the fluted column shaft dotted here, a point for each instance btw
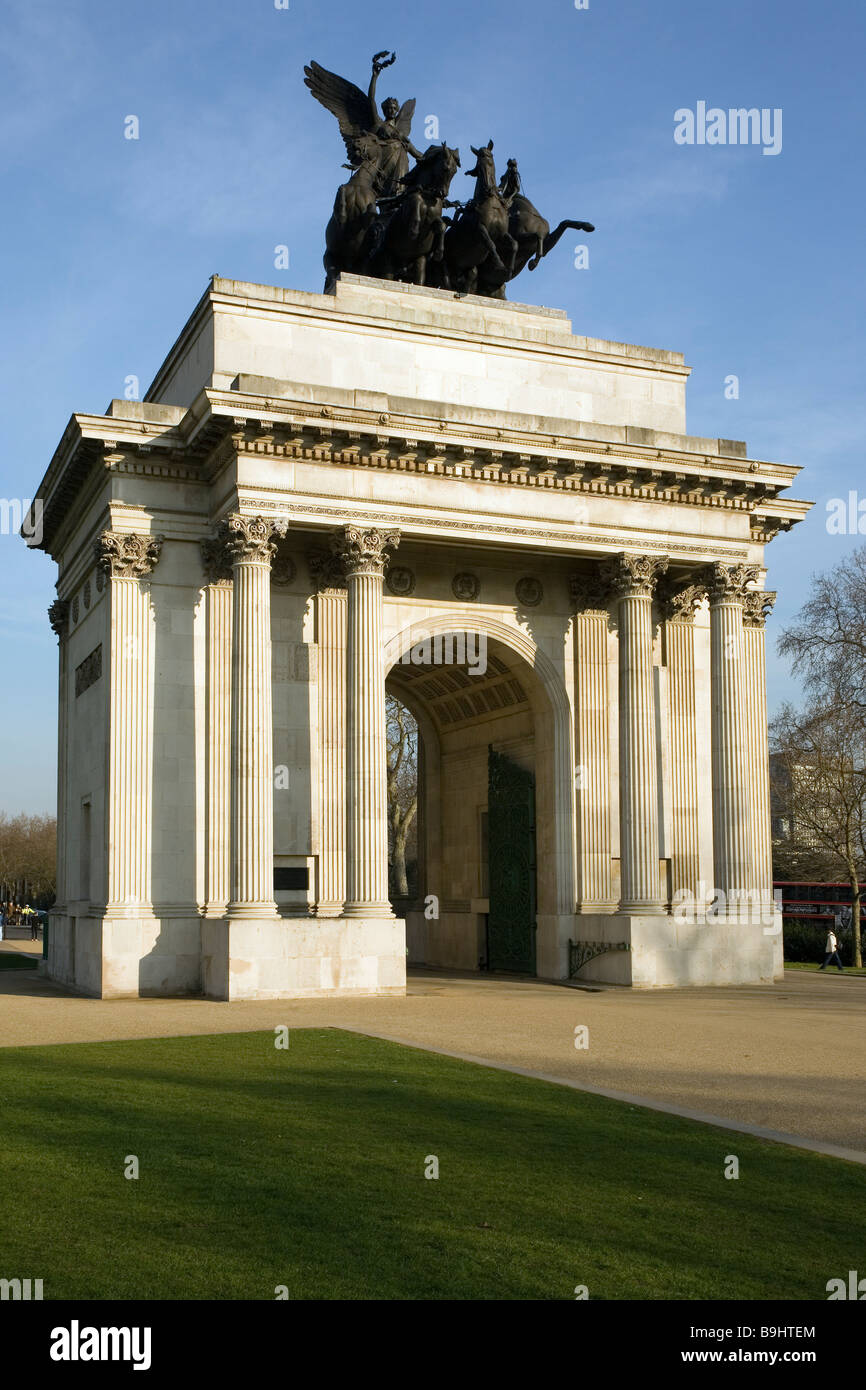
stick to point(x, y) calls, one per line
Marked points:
point(684, 848)
point(331, 632)
point(251, 545)
point(58, 615)
point(633, 581)
point(756, 608)
point(364, 555)
point(592, 782)
point(219, 665)
point(128, 560)
point(732, 822)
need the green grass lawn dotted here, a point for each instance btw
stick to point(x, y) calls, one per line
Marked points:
point(305, 1167)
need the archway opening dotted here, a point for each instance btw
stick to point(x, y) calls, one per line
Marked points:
point(486, 837)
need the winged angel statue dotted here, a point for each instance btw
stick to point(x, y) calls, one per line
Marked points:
point(378, 145)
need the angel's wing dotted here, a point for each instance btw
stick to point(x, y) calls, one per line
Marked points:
point(344, 100)
point(404, 119)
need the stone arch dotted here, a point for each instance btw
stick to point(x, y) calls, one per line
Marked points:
point(554, 731)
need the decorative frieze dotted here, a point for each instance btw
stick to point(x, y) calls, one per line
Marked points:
point(89, 672)
point(400, 581)
point(466, 587)
point(529, 591)
point(127, 556)
point(283, 570)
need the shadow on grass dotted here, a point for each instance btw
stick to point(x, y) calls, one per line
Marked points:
point(306, 1168)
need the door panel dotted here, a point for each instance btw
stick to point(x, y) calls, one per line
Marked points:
point(511, 857)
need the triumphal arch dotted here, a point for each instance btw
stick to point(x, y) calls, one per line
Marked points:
point(405, 485)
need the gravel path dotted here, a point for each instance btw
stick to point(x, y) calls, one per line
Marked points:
point(789, 1057)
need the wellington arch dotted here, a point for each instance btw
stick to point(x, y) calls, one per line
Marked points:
point(501, 522)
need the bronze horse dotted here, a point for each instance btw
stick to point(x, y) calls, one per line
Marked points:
point(412, 233)
point(478, 244)
point(530, 230)
point(347, 233)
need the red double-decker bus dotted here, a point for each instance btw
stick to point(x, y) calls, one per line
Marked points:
point(816, 904)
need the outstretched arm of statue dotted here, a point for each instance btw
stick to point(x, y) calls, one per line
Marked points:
point(374, 105)
point(380, 61)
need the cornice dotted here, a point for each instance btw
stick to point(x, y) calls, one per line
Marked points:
point(222, 425)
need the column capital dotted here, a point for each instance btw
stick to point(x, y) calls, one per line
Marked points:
point(364, 550)
point(250, 540)
point(679, 603)
point(589, 593)
point(326, 572)
point(632, 576)
point(728, 583)
point(58, 617)
point(757, 607)
point(123, 555)
point(216, 560)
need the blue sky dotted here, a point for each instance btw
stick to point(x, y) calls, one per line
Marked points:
point(750, 264)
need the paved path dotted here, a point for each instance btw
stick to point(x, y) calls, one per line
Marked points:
point(789, 1057)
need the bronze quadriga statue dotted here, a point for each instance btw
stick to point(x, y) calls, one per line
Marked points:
point(389, 219)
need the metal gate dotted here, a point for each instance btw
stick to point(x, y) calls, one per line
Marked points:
point(511, 859)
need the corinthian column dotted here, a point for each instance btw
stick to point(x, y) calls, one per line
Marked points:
point(58, 616)
point(217, 564)
point(632, 579)
point(679, 612)
point(732, 820)
point(756, 608)
point(592, 715)
point(127, 560)
point(364, 554)
point(250, 542)
point(329, 584)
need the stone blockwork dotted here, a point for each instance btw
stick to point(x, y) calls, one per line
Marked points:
point(593, 577)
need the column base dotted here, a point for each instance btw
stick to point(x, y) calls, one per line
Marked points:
point(649, 909)
point(369, 910)
point(303, 958)
point(252, 912)
point(663, 952)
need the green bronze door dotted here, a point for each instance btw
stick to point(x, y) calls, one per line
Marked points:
point(511, 859)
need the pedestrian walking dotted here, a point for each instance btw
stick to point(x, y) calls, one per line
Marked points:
point(831, 952)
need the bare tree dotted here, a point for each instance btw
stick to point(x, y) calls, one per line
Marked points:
point(827, 639)
point(28, 855)
point(819, 782)
point(402, 740)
